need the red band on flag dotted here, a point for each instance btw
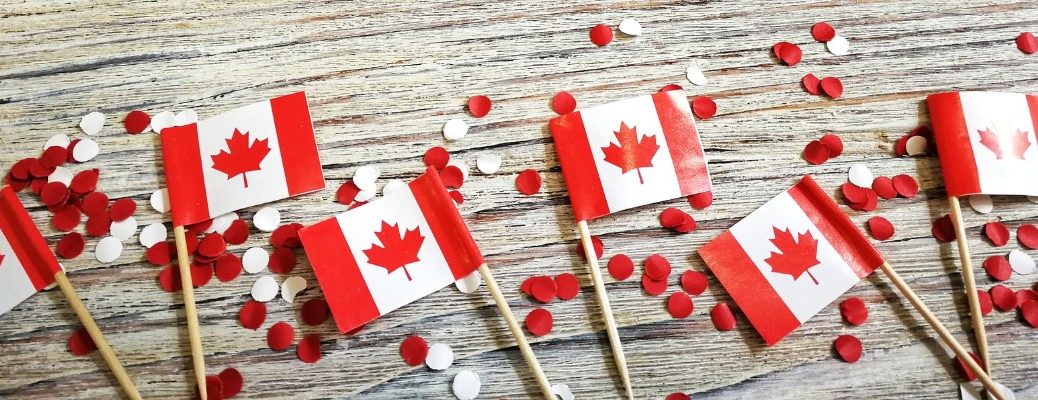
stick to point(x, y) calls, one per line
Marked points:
point(953, 144)
point(297, 143)
point(184, 179)
point(580, 170)
point(450, 231)
point(679, 129)
point(343, 284)
point(837, 227)
point(26, 241)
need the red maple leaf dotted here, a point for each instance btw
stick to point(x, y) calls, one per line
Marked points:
point(240, 157)
point(797, 256)
point(631, 152)
point(1010, 146)
point(396, 251)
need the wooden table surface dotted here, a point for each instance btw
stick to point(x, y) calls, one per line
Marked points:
point(383, 77)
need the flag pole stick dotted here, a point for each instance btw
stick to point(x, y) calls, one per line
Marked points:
point(520, 338)
point(190, 312)
point(971, 287)
point(946, 336)
point(95, 334)
point(607, 311)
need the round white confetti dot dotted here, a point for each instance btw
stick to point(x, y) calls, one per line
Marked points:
point(185, 117)
point(85, 150)
point(392, 186)
point(365, 195)
point(124, 230)
point(92, 123)
point(1021, 263)
point(488, 163)
point(695, 75)
point(61, 174)
point(60, 140)
point(916, 146)
point(222, 222)
point(630, 26)
point(267, 219)
point(466, 385)
point(152, 234)
point(160, 200)
point(265, 289)
point(364, 177)
point(108, 249)
point(462, 166)
point(562, 391)
point(255, 260)
point(981, 203)
point(291, 287)
point(162, 121)
point(861, 176)
point(440, 357)
point(838, 46)
point(455, 129)
point(469, 283)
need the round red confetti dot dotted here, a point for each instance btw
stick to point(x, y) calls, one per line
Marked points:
point(816, 152)
point(54, 193)
point(653, 287)
point(1027, 234)
point(80, 343)
point(539, 322)
point(252, 314)
point(596, 242)
point(1027, 43)
point(197, 228)
point(436, 157)
point(672, 217)
point(213, 388)
point(823, 32)
point(880, 228)
point(413, 350)
point(788, 53)
point(678, 396)
point(965, 370)
point(70, 246)
point(314, 312)
point(456, 196)
point(620, 267)
point(811, 84)
point(228, 267)
point(884, 187)
point(693, 282)
point(567, 286)
point(670, 86)
point(282, 260)
point(169, 278)
point(984, 299)
point(528, 182)
point(160, 253)
point(704, 107)
point(95, 203)
point(601, 35)
point(280, 336)
point(136, 122)
point(702, 200)
point(237, 233)
point(563, 103)
point(1025, 295)
point(309, 348)
point(848, 347)
point(997, 233)
point(853, 193)
point(452, 177)
point(722, 317)
point(679, 305)
point(479, 106)
point(86, 182)
point(212, 245)
point(943, 229)
point(657, 267)
point(1029, 312)
point(832, 87)
point(38, 170)
point(834, 143)
point(543, 289)
point(201, 274)
point(232, 382)
point(1003, 298)
point(66, 218)
point(20, 169)
point(901, 146)
point(525, 286)
point(347, 192)
point(70, 148)
point(122, 209)
point(906, 186)
point(854, 311)
point(54, 156)
point(998, 268)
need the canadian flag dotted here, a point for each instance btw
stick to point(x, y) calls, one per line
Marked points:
point(790, 258)
point(390, 252)
point(986, 141)
point(630, 153)
point(251, 155)
point(27, 265)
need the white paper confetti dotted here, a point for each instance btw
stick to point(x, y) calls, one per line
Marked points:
point(124, 230)
point(916, 146)
point(185, 117)
point(695, 75)
point(160, 200)
point(455, 129)
point(255, 260)
point(291, 287)
point(152, 234)
point(265, 289)
point(488, 163)
point(466, 385)
point(630, 26)
point(981, 203)
point(1021, 262)
point(85, 150)
point(108, 249)
point(222, 222)
point(162, 121)
point(364, 177)
point(838, 46)
point(462, 166)
point(440, 357)
point(60, 140)
point(967, 391)
point(861, 176)
point(267, 219)
point(392, 186)
point(61, 174)
point(365, 195)
point(562, 392)
point(92, 123)
point(469, 283)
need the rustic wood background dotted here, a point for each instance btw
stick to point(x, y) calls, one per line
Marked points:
point(383, 76)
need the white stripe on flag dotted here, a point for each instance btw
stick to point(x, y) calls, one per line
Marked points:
point(1003, 113)
point(15, 285)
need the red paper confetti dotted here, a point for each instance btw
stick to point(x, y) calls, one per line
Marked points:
point(870, 204)
point(70, 246)
point(252, 314)
point(309, 348)
point(169, 278)
point(567, 286)
point(1003, 298)
point(984, 298)
point(722, 317)
point(997, 233)
point(282, 260)
point(66, 218)
point(54, 193)
point(881, 228)
point(1025, 295)
point(136, 122)
point(884, 187)
point(811, 84)
point(543, 289)
point(286, 236)
point(201, 274)
point(905, 185)
point(679, 305)
point(280, 336)
point(832, 87)
point(122, 209)
point(672, 217)
point(232, 382)
point(54, 156)
point(95, 203)
point(528, 182)
point(213, 388)
point(620, 267)
point(563, 103)
point(704, 107)
point(853, 193)
point(436, 157)
point(693, 282)
point(848, 347)
point(601, 35)
point(854, 311)
point(80, 343)
point(833, 143)
point(160, 253)
point(657, 267)
point(479, 106)
point(315, 312)
point(702, 200)
point(212, 245)
point(453, 177)
point(237, 232)
point(943, 230)
point(458, 198)
point(670, 86)
point(1029, 312)
point(816, 152)
point(788, 53)
point(678, 396)
point(1027, 234)
point(539, 322)
point(965, 370)
point(1027, 43)
point(653, 287)
point(823, 32)
point(347, 192)
point(228, 267)
point(596, 242)
point(998, 268)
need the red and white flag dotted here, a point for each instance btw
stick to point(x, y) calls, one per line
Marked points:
point(986, 141)
point(390, 252)
point(251, 155)
point(630, 153)
point(27, 265)
point(790, 258)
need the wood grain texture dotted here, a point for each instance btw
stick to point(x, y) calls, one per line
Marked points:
point(383, 76)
